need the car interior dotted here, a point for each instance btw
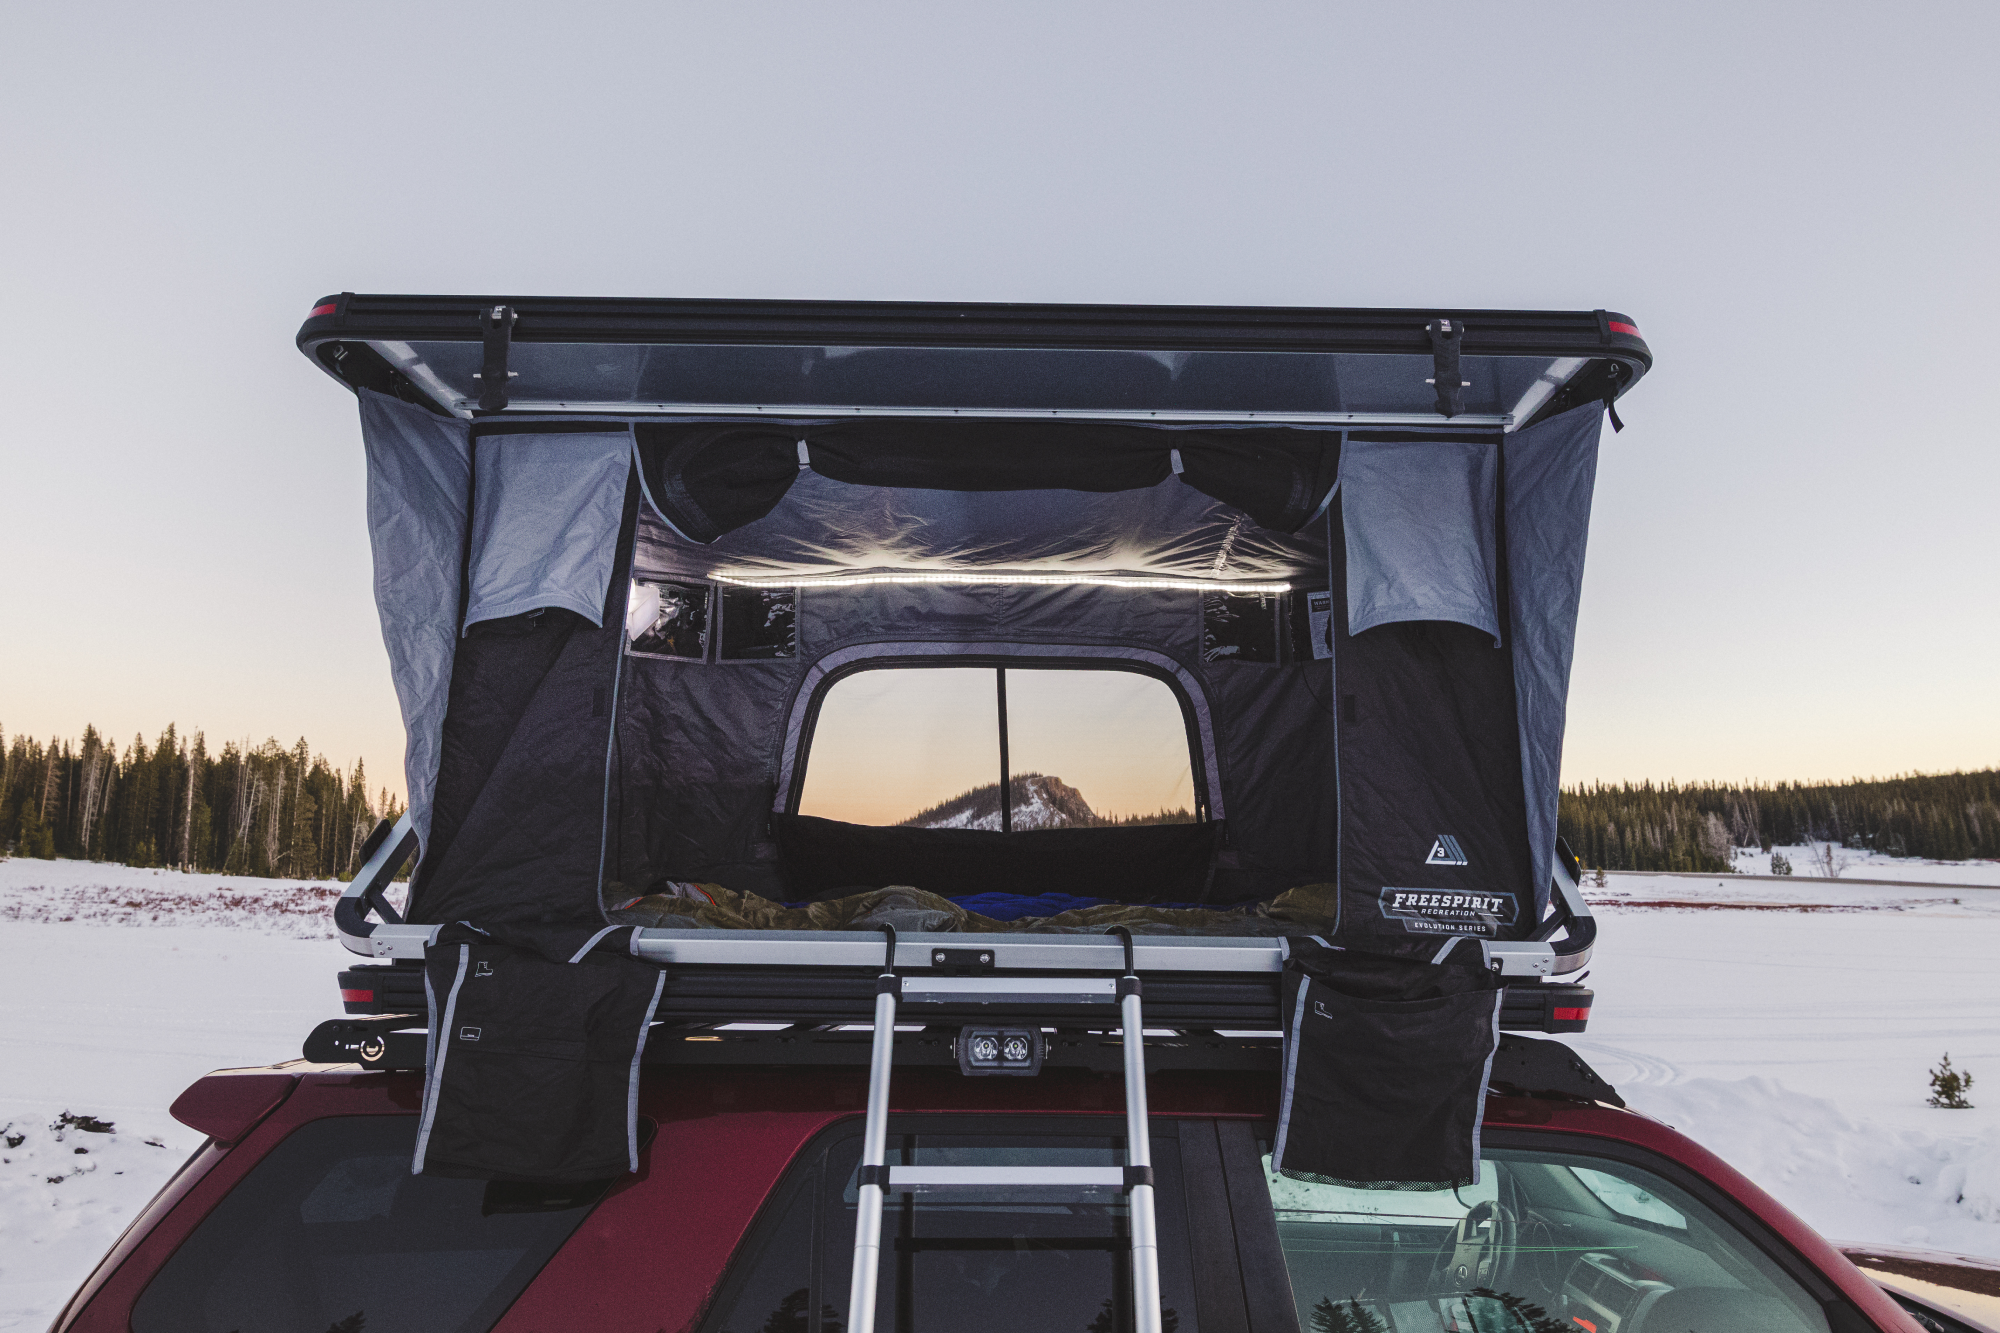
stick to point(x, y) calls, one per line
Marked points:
point(1544, 1241)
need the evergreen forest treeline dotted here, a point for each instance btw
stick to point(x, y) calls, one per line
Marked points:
point(1943, 816)
point(248, 810)
point(287, 813)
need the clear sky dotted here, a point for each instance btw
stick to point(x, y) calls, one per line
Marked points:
point(1793, 546)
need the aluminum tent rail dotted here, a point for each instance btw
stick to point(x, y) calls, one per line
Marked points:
point(1025, 952)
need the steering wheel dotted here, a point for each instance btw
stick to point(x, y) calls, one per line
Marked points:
point(1481, 1252)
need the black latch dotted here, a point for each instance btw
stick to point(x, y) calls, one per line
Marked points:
point(498, 327)
point(1445, 336)
point(1612, 371)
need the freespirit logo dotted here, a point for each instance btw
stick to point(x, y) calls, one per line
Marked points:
point(1446, 852)
point(1448, 911)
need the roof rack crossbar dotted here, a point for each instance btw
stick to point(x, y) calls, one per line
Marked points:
point(1061, 954)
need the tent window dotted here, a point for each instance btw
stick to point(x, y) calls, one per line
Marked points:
point(1003, 749)
point(1239, 629)
point(668, 620)
point(759, 624)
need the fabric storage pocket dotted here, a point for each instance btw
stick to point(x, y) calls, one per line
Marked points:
point(1386, 1063)
point(534, 1063)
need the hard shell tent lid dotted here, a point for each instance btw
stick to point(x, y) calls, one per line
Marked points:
point(1041, 486)
point(1126, 363)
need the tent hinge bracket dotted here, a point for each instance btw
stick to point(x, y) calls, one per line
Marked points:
point(497, 327)
point(1445, 337)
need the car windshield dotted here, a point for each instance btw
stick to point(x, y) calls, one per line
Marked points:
point(1545, 1241)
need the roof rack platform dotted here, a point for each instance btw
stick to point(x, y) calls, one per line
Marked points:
point(827, 978)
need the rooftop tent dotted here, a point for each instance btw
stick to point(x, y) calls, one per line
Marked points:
point(1140, 605)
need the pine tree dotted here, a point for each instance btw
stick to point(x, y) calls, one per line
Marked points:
point(1949, 1086)
point(48, 784)
point(1647, 826)
point(186, 840)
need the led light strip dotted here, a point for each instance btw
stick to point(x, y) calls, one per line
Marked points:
point(1006, 580)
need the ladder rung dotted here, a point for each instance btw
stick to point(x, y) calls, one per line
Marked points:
point(1009, 990)
point(1007, 1184)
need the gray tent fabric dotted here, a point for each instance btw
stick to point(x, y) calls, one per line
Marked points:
point(419, 472)
point(545, 522)
point(1551, 470)
point(1422, 539)
point(826, 527)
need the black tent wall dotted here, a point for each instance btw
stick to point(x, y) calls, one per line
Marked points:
point(1429, 795)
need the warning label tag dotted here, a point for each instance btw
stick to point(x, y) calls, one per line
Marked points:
point(1319, 615)
point(1449, 911)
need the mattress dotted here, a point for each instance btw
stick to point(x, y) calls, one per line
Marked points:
point(1306, 910)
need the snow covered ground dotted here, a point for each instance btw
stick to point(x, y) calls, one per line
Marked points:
point(103, 894)
point(1790, 1026)
point(119, 987)
point(1813, 860)
point(1787, 1024)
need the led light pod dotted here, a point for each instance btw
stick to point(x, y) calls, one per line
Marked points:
point(984, 1050)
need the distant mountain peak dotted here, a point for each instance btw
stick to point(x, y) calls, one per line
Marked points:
point(1038, 800)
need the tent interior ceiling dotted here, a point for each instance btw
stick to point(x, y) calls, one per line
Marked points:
point(825, 528)
point(635, 377)
point(929, 497)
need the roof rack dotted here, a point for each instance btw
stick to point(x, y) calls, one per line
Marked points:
point(826, 978)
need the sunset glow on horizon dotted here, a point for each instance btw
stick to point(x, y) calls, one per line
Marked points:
point(891, 743)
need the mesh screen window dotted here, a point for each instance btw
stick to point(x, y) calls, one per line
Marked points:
point(1003, 749)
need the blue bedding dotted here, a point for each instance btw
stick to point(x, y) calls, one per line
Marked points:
point(1014, 906)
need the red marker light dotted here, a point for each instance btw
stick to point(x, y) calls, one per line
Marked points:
point(1571, 1015)
point(1615, 325)
point(358, 996)
point(332, 306)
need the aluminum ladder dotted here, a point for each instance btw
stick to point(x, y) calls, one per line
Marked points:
point(994, 1183)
